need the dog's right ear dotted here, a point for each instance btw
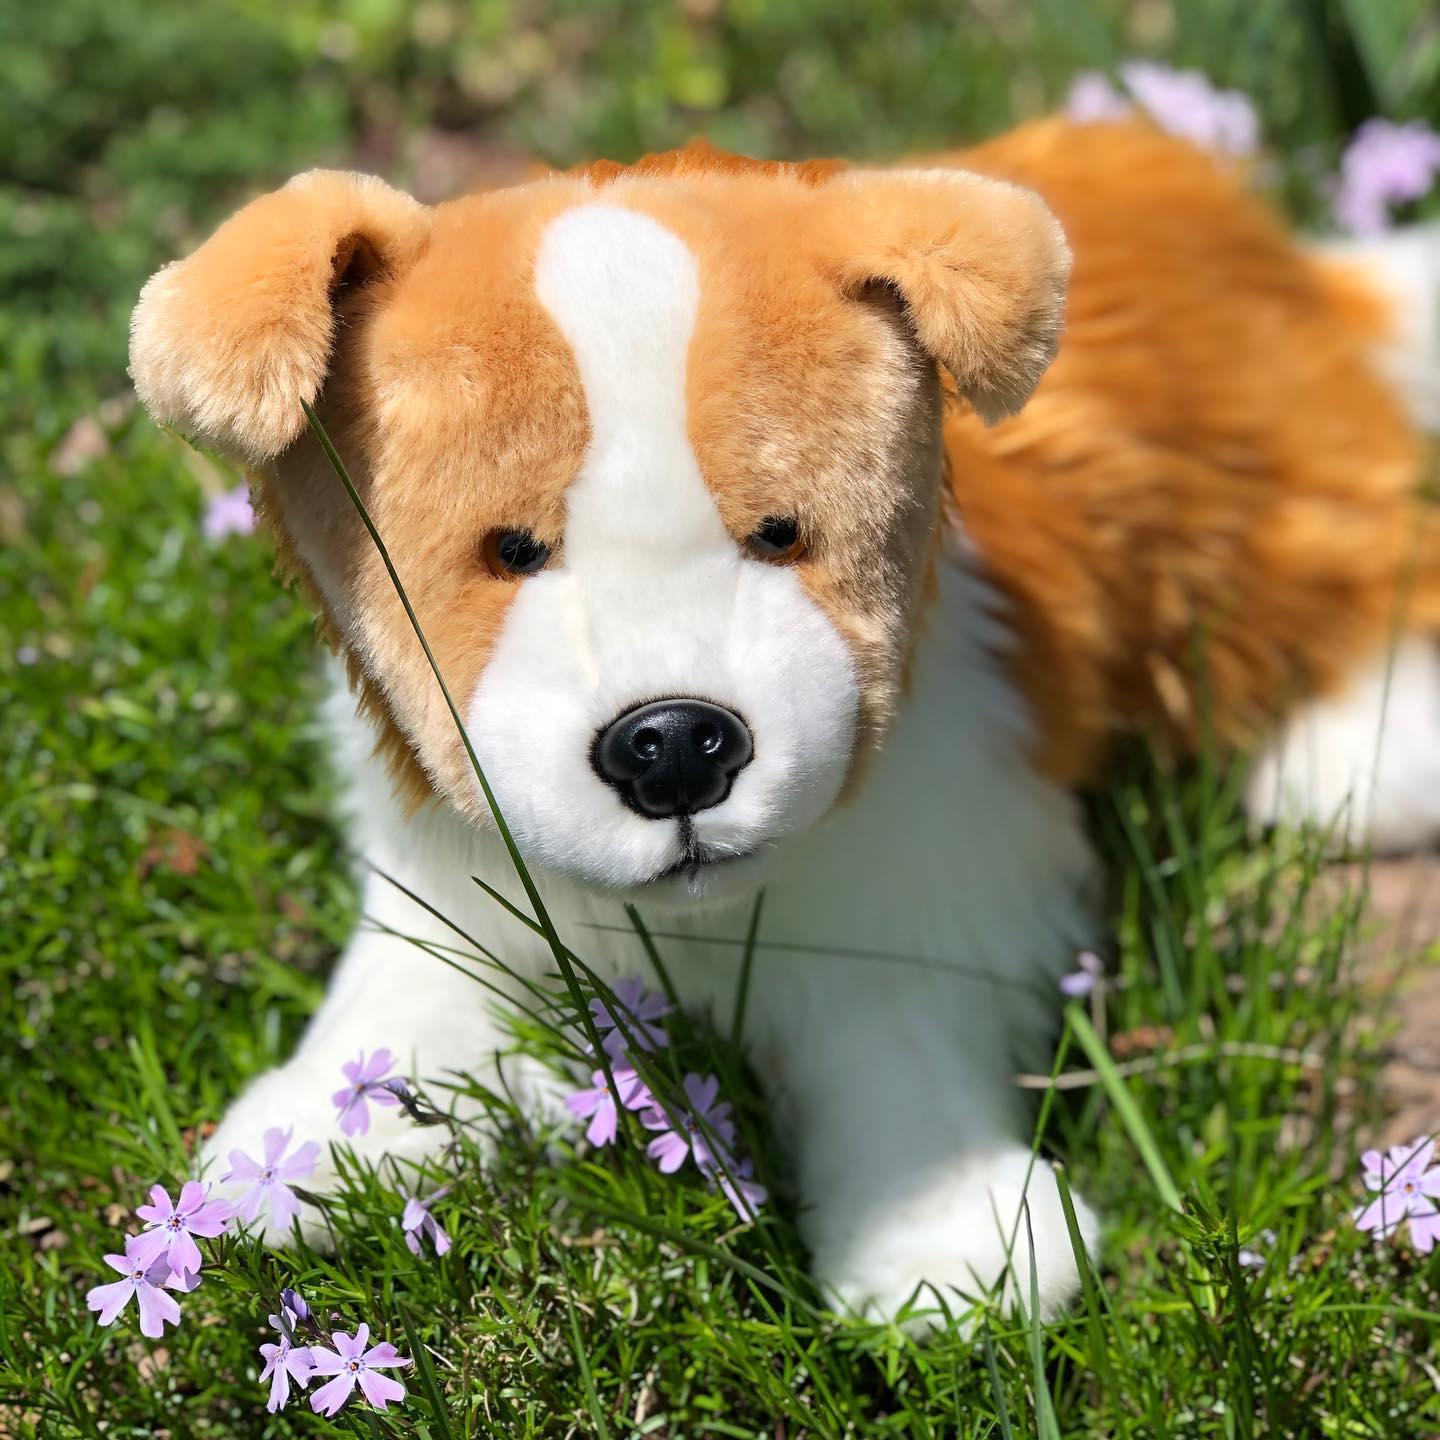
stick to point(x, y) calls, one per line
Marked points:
point(227, 344)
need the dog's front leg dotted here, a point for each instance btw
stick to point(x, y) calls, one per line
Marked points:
point(915, 1176)
point(386, 994)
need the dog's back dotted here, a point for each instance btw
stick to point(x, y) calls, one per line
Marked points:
point(1210, 508)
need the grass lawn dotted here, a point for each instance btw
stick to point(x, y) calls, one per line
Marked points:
point(172, 890)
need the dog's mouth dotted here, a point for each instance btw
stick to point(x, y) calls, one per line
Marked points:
point(697, 858)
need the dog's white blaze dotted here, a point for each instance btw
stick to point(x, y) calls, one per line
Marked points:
point(624, 292)
point(651, 597)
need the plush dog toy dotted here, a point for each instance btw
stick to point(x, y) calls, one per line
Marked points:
point(700, 478)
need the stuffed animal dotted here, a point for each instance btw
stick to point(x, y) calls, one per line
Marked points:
point(706, 480)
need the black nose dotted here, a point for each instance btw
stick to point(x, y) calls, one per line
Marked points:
point(673, 757)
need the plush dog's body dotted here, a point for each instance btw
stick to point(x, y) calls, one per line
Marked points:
point(638, 373)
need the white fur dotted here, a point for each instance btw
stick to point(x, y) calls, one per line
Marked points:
point(941, 904)
point(1404, 265)
point(651, 597)
point(1365, 762)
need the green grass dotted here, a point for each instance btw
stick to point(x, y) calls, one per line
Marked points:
point(172, 890)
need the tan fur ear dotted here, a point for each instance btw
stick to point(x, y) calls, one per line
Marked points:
point(980, 266)
point(227, 344)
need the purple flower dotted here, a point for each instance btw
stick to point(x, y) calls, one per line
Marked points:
point(172, 1228)
point(1406, 1186)
point(1182, 102)
point(1084, 979)
point(143, 1275)
point(272, 1176)
point(1092, 97)
point(417, 1221)
point(352, 1364)
point(294, 1302)
point(598, 1103)
point(705, 1125)
point(285, 1361)
point(743, 1192)
point(367, 1082)
point(1383, 165)
point(229, 514)
point(639, 1009)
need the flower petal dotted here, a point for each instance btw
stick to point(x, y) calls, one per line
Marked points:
point(325, 1361)
point(300, 1165)
point(110, 1299)
point(192, 1197)
point(328, 1399)
point(242, 1167)
point(602, 1129)
point(355, 1118)
point(159, 1209)
point(184, 1254)
point(702, 1093)
point(279, 1389)
point(277, 1141)
point(583, 1103)
point(156, 1307)
point(379, 1389)
point(385, 1354)
point(210, 1219)
point(381, 1062)
point(284, 1207)
point(142, 1249)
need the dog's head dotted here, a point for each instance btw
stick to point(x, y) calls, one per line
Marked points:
point(656, 454)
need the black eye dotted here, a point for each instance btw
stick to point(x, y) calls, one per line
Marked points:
point(509, 553)
point(777, 538)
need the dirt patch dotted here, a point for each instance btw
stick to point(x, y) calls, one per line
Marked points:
point(1401, 960)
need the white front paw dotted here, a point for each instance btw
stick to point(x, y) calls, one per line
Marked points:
point(296, 1099)
point(962, 1239)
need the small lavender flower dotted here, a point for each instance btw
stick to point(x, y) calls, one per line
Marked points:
point(285, 1361)
point(367, 1082)
point(1406, 1186)
point(229, 514)
point(1092, 98)
point(1384, 164)
point(639, 1009)
point(417, 1222)
point(1085, 978)
point(173, 1225)
point(142, 1274)
point(736, 1183)
point(293, 1301)
point(352, 1364)
point(695, 1139)
point(1182, 102)
point(598, 1104)
point(272, 1176)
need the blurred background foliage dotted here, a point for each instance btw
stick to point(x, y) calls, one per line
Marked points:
point(127, 125)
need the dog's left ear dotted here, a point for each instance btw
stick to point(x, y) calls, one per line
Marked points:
point(979, 265)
